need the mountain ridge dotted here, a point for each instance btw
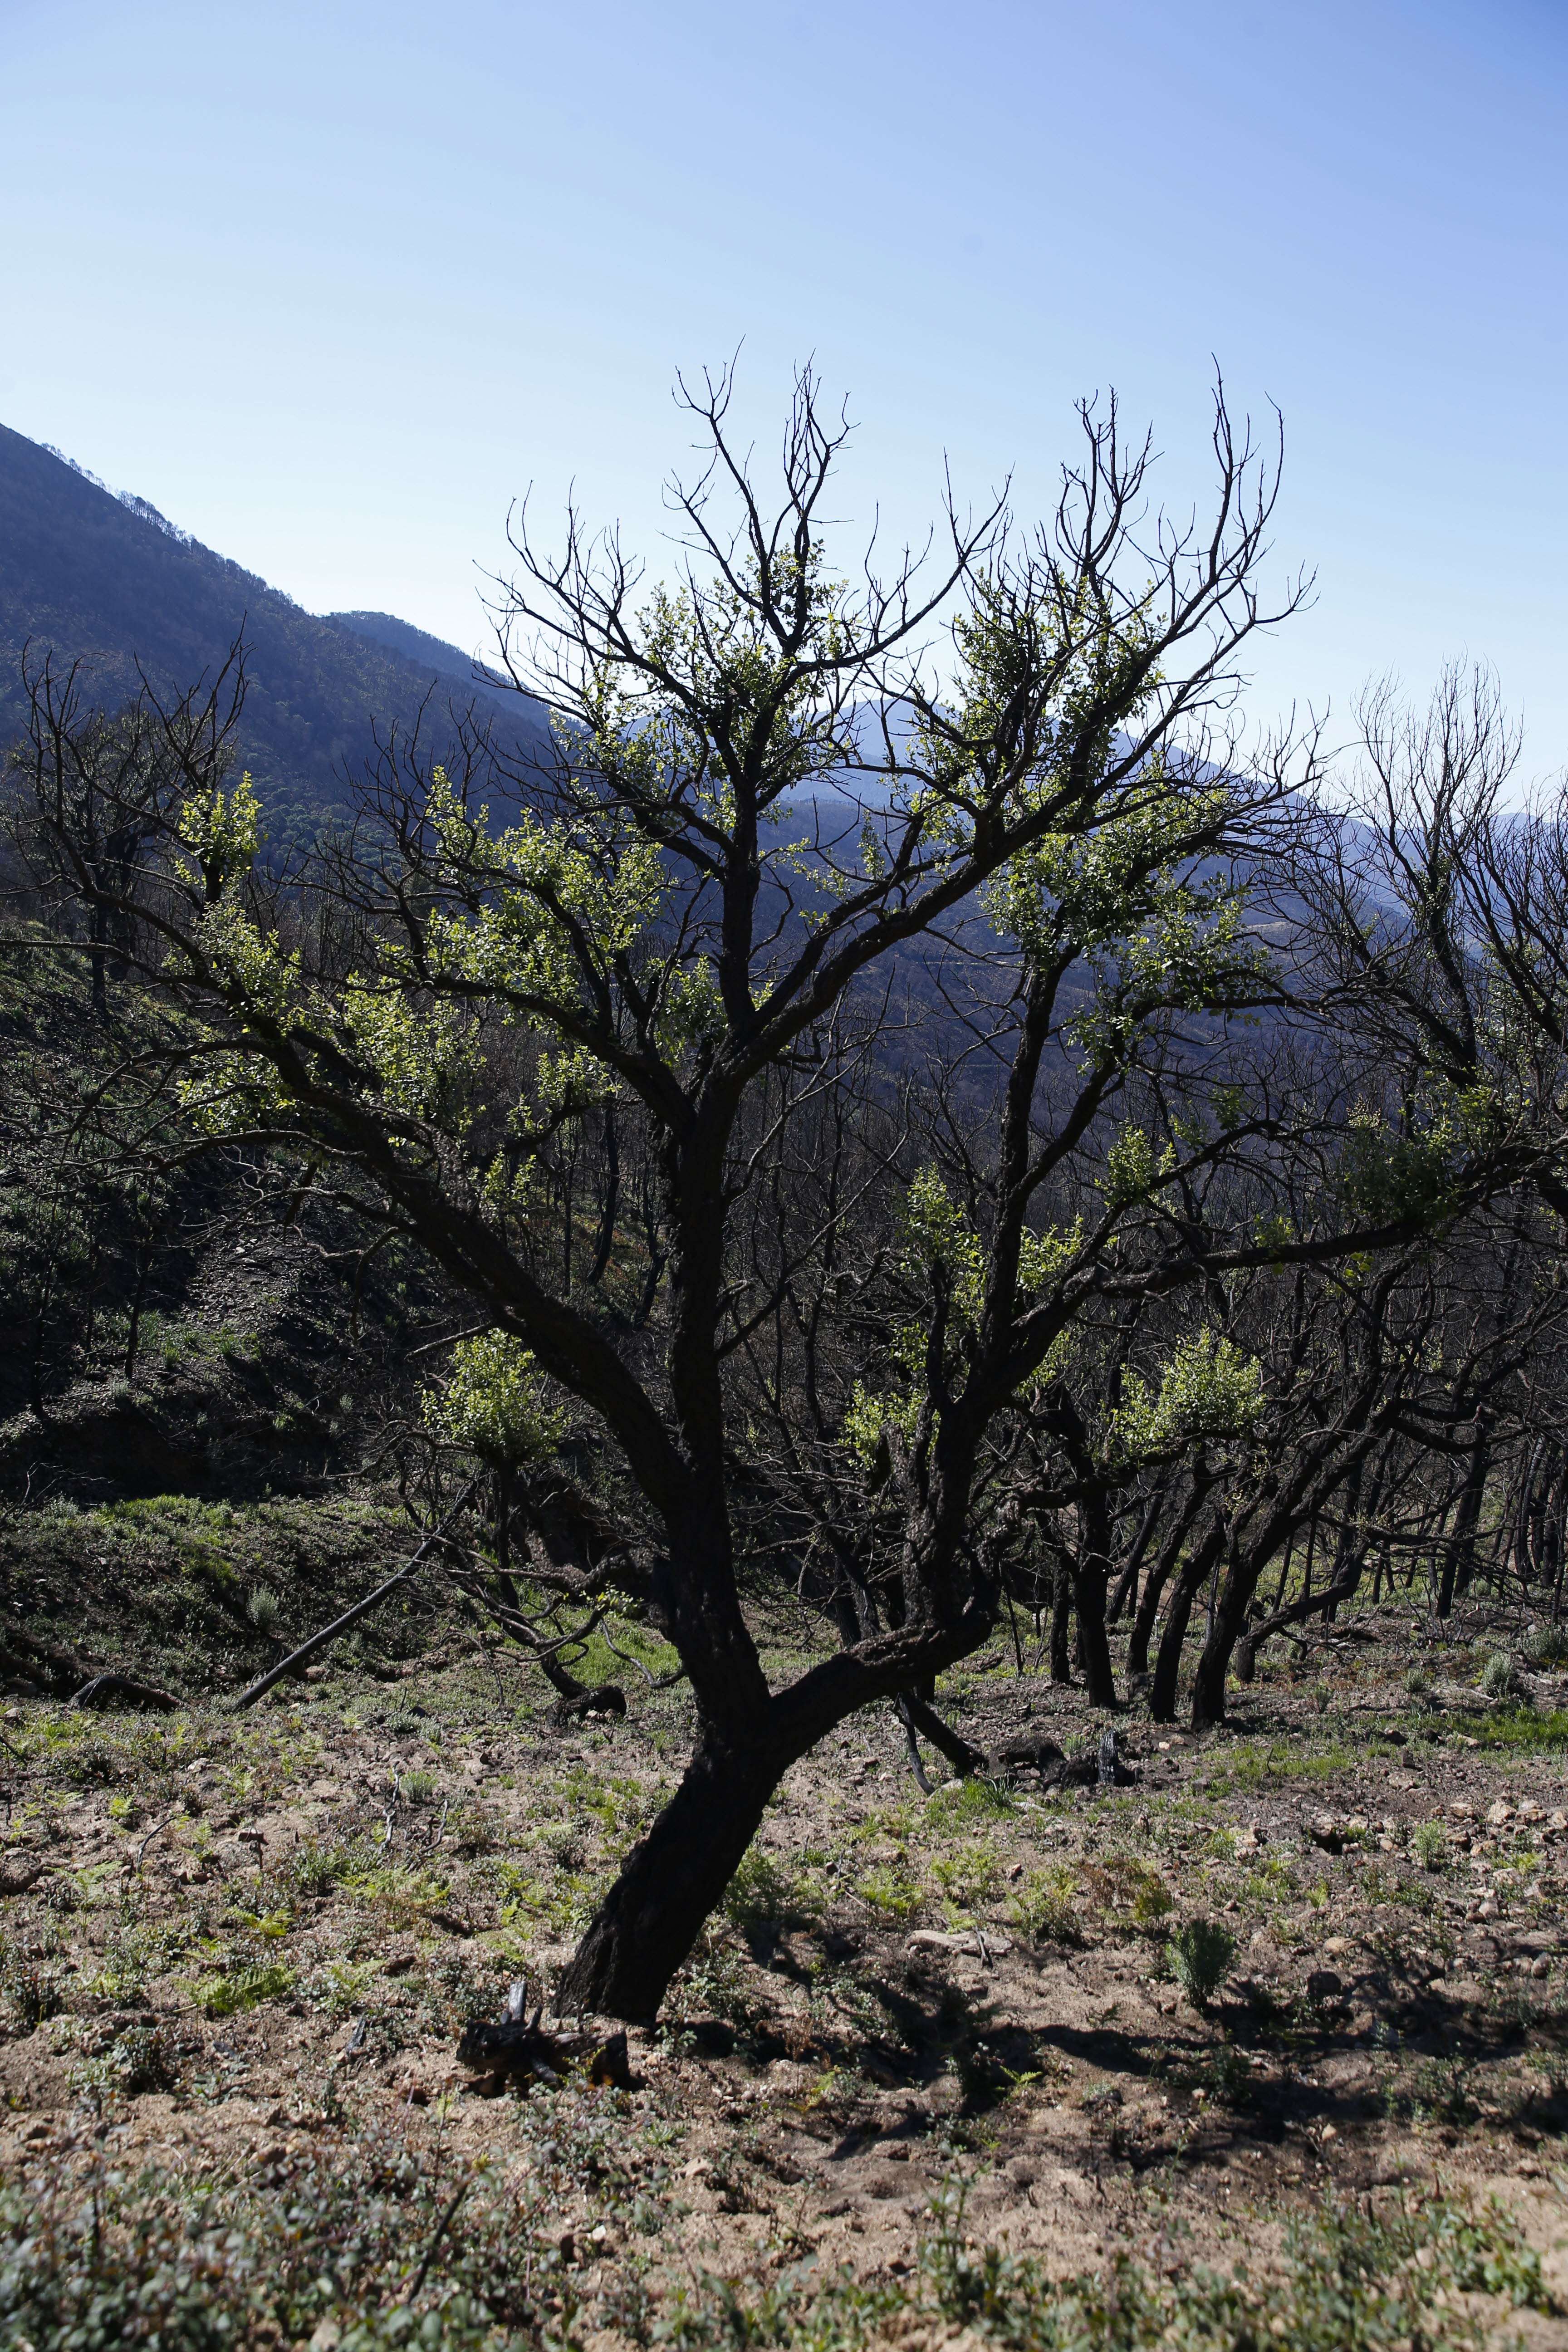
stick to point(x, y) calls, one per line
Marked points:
point(90, 575)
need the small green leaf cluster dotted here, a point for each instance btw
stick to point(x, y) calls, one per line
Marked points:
point(1130, 1173)
point(496, 1403)
point(418, 1063)
point(222, 831)
point(1406, 1174)
point(942, 1251)
point(1209, 1388)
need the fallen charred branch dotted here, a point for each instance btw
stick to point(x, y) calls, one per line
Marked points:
point(1311, 1604)
point(63, 1674)
point(308, 1650)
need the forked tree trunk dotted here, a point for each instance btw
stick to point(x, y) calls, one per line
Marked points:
point(1178, 1615)
point(1226, 1626)
point(1126, 1594)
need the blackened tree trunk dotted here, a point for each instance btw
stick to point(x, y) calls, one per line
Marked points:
point(1126, 1594)
point(1256, 1535)
point(673, 1877)
point(1461, 1542)
point(1159, 1574)
point(1347, 1552)
point(672, 1880)
point(1090, 1584)
point(1088, 1589)
point(1227, 1624)
point(1296, 1613)
point(1061, 1622)
point(919, 1716)
point(1178, 1615)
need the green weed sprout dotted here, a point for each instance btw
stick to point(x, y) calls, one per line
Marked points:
point(1046, 1909)
point(1151, 1900)
point(1429, 1844)
point(1200, 1955)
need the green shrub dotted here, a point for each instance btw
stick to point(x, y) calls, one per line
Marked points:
point(1200, 1955)
point(263, 1608)
point(966, 1803)
point(1047, 1907)
point(1497, 1676)
point(892, 1889)
point(134, 2058)
point(1429, 1844)
point(1152, 1899)
point(228, 1990)
point(31, 1987)
point(714, 1982)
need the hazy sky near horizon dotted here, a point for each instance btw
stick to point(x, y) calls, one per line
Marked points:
point(332, 284)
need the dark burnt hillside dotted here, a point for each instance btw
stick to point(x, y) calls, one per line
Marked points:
point(90, 574)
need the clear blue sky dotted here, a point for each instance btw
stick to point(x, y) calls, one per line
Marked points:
point(331, 284)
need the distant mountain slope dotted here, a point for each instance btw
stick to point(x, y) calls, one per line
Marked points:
point(420, 646)
point(108, 578)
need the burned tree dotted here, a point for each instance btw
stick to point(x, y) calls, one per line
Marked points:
point(764, 798)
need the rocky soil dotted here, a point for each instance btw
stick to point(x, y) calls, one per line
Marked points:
point(238, 1953)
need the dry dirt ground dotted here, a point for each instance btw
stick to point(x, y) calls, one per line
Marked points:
point(238, 1955)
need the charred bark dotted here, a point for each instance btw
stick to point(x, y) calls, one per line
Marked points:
point(670, 1883)
point(1159, 1574)
point(1178, 1615)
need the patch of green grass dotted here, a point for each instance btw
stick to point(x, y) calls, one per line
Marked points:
point(1429, 1845)
point(1348, 2282)
point(399, 1891)
point(1125, 1882)
point(893, 1889)
point(261, 2260)
point(966, 1873)
point(340, 1985)
point(1254, 1764)
point(714, 1982)
point(1523, 1729)
point(1271, 1882)
point(1434, 2091)
point(767, 1891)
point(532, 1898)
point(969, 1803)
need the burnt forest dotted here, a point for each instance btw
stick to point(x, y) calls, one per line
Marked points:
point(784, 1446)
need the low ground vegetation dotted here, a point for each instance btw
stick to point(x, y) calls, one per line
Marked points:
point(1270, 2037)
